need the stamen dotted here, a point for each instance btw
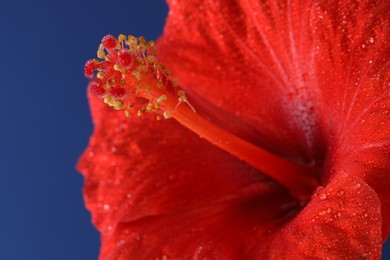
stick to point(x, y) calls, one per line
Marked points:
point(131, 78)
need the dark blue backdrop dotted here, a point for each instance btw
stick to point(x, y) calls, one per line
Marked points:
point(45, 123)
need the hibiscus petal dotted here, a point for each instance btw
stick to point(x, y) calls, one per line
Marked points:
point(310, 77)
point(153, 198)
point(342, 221)
point(147, 180)
point(241, 56)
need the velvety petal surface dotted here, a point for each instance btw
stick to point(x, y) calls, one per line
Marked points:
point(157, 191)
point(342, 221)
point(140, 171)
point(310, 78)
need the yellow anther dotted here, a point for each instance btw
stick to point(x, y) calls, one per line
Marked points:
point(100, 75)
point(140, 60)
point(139, 85)
point(127, 113)
point(150, 106)
point(132, 41)
point(158, 118)
point(167, 114)
point(150, 59)
point(122, 37)
point(140, 113)
point(100, 53)
point(142, 68)
point(116, 104)
point(136, 74)
point(142, 40)
point(119, 68)
point(161, 99)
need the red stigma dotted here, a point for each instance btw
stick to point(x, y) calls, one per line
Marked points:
point(97, 89)
point(89, 68)
point(109, 42)
point(124, 58)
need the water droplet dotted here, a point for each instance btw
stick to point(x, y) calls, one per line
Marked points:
point(340, 193)
point(338, 214)
point(322, 213)
point(357, 186)
point(106, 207)
point(363, 46)
point(120, 242)
point(323, 196)
point(113, 149)
point(129, 195)
point(329, 210)
point(371, 40)
point(365, 215)
point(91, 154)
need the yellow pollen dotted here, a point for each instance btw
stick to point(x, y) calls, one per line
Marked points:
point(146, 85)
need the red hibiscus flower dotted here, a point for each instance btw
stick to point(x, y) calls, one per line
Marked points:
point(292, 101)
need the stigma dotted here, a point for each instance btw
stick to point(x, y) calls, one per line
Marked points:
point(128, 76)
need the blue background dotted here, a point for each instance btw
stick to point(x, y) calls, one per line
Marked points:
point(45, 122)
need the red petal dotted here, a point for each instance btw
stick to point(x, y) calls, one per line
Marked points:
point(342, 222)
point(147, 180)
point(311, 78)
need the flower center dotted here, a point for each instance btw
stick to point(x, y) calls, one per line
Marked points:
point(130, 78)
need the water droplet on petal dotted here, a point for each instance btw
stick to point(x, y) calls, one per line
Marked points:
point(371, 40)
point(323, 196)
point(340, 193)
